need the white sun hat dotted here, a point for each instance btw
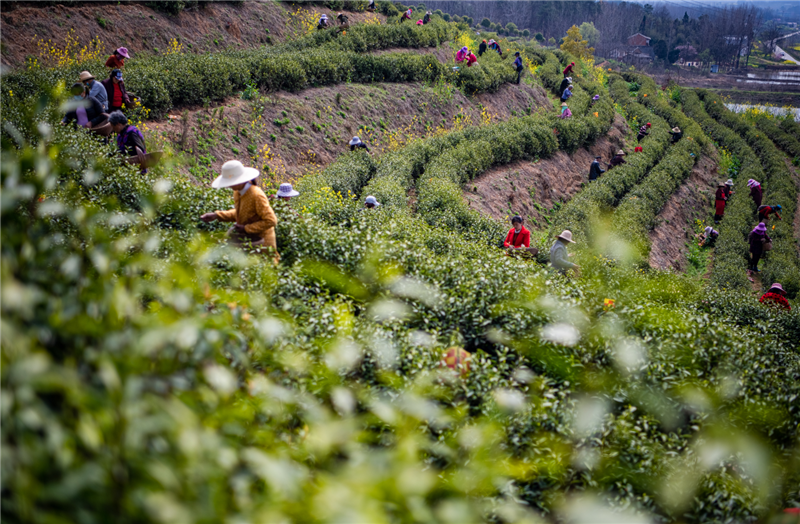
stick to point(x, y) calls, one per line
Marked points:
point(233, 172)
point(372, 200)
point(355, 140)
point(566, 235)
point(286, 190)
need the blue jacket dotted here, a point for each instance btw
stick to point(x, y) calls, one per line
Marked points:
point(566, 94)
point(518, 63)
point(99, 92)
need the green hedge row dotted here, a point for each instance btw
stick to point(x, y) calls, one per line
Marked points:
point(658, 104)
point(731, 250)
point(584, 210)
point(791, 126)
point(321, 58)
point(635, 217)
point(782, 137)
point(782, 264)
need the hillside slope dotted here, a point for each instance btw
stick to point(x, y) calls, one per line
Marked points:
point(314, 125)
point(211, 27)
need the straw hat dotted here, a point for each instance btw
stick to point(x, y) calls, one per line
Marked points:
point(563, 104)
point(286, 190)
point(567, 236)
point(123, 52)
point(721, 184)
point(676, 129)
point(233, 173)
point(620, 152)
point(86, 75)
point(777, 288)
point(354, 141)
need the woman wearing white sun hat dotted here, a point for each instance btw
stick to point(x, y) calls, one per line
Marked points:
point(558, 253)
point(253, 217)
point(286, 191)
point(356, 143)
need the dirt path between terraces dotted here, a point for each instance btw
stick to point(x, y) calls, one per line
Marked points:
point(691, 201)
point(531, 189)
point(312, 127)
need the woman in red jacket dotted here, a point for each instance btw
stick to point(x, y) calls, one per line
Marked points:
point(518, 237)
point(719, 202)
point(776, 296)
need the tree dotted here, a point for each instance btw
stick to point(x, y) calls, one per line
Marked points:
point(552, 41)
point(575, 45)
point(486, 22)
point(590, 33)
point(769, 35)
point(704, 58)
point(539, 37)
point(526, 33)
point(673, 55)
point(511, 28)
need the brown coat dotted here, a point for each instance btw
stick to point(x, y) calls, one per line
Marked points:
point(252, 210)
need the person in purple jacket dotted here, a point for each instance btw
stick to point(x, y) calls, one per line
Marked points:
point(130, 140)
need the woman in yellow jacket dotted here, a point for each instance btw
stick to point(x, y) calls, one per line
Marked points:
point(253, 217)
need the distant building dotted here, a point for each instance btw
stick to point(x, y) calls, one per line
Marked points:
point(639, 40)
point(637, 52)
point(688, 55)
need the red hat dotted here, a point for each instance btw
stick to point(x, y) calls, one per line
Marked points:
point(648, 124)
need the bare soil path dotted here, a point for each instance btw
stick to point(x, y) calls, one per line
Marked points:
point(531, 189)
point(690, 202)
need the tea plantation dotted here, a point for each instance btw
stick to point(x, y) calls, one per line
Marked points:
point(153, 373)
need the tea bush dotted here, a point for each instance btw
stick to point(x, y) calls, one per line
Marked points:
point(320, 58)
point(636, 214)
point(731, 249)
point(583, 211)
point(152, 373)
point(782, 264)
point(783, 139)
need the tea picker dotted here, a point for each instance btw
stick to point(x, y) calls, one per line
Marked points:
point(254, 220)
point(356, 143)
point(595, 171)
point(776, 296)
point(558, 254)
point(618, 159)
point(643, 132)
point(130, 142)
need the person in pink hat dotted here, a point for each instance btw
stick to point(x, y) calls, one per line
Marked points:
point(117, 60)
point(776, 296)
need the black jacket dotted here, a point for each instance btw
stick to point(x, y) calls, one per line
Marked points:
point(595, 171)
point(481, 48)
point(94, 112)
point(676, 136)
point(564, 84)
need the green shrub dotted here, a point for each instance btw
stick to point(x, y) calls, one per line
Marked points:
point(781, 264)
